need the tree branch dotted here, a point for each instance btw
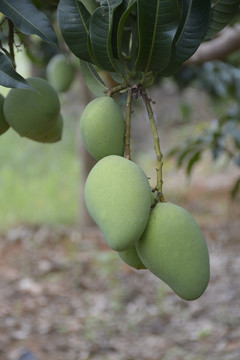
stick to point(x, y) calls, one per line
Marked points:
point(227, 42)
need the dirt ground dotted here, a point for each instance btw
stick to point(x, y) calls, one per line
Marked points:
point(65, 296)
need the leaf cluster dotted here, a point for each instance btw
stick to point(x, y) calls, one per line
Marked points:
point(139, 40)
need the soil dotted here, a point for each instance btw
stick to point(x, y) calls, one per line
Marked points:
point(66, 295)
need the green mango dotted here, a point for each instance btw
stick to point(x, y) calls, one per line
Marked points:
point(32, 113)
point(55, 133)
point(118, 199)
point(102, 128)
point(130, 257)
point(4, 126)
point(60, 73)
point(174, 249)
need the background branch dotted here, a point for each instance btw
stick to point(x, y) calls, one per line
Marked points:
point(227, 42)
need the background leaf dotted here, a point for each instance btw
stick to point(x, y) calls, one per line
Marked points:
point(92, 79)
point(101, 34)
point(193, 160)
point(73, 18)
point(222, 12)
point(235, 188)
point(28, 19)
point(8, 76)
point(157, 24)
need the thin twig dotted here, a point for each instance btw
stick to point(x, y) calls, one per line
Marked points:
point(117, 89)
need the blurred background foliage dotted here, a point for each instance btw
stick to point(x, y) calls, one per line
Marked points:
point(221, 135)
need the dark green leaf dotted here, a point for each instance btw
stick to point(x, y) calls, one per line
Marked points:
point(73, 19)
point(195, 158)
point(101, 26)
point(183, 155)
point(123, 37)
point(90, 5)
point(8, 76)
point(173, 151)
point(192, 29)
point(235, 188)
point(92, 79)
point(222, 13)
point(28, 19)
point(157, 23)
point(194, 23)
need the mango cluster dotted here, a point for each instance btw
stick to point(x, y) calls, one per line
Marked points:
point(164, 239)
point(33, 113)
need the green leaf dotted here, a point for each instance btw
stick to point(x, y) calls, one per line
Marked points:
point(235, 188)
point(192, 29)
point(73, 19)
point(92, 79)
point(101, 26)
point(222, 13)
point(195, 158)
point(90, 5)
point(157, 23)
point(194, 23)
point(8, 76)
point(28, 19)
point(128, 7)
point(184, 154)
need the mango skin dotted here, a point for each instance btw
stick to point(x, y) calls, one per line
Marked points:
point(55, 133)
point(174, 249)
point(32, 113)
point(4, 126)
point(131, 258)
point(118, 199)
point(102, 128)
point(60, 73)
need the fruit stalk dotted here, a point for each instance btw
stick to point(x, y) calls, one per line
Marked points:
point(157, 148)
point(128, 124)
point(117, 89)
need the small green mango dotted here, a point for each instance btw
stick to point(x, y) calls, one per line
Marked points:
point(174, 249)
point(55, 133)
point(118, 199)
point(130, 257)
point(4, 126)
point(32, 113)
point(102, 128)
point(60, 73)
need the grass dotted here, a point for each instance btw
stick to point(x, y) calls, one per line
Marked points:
point(39, 183)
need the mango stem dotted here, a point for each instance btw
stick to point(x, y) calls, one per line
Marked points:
point(117, 89)
point(157, 148)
